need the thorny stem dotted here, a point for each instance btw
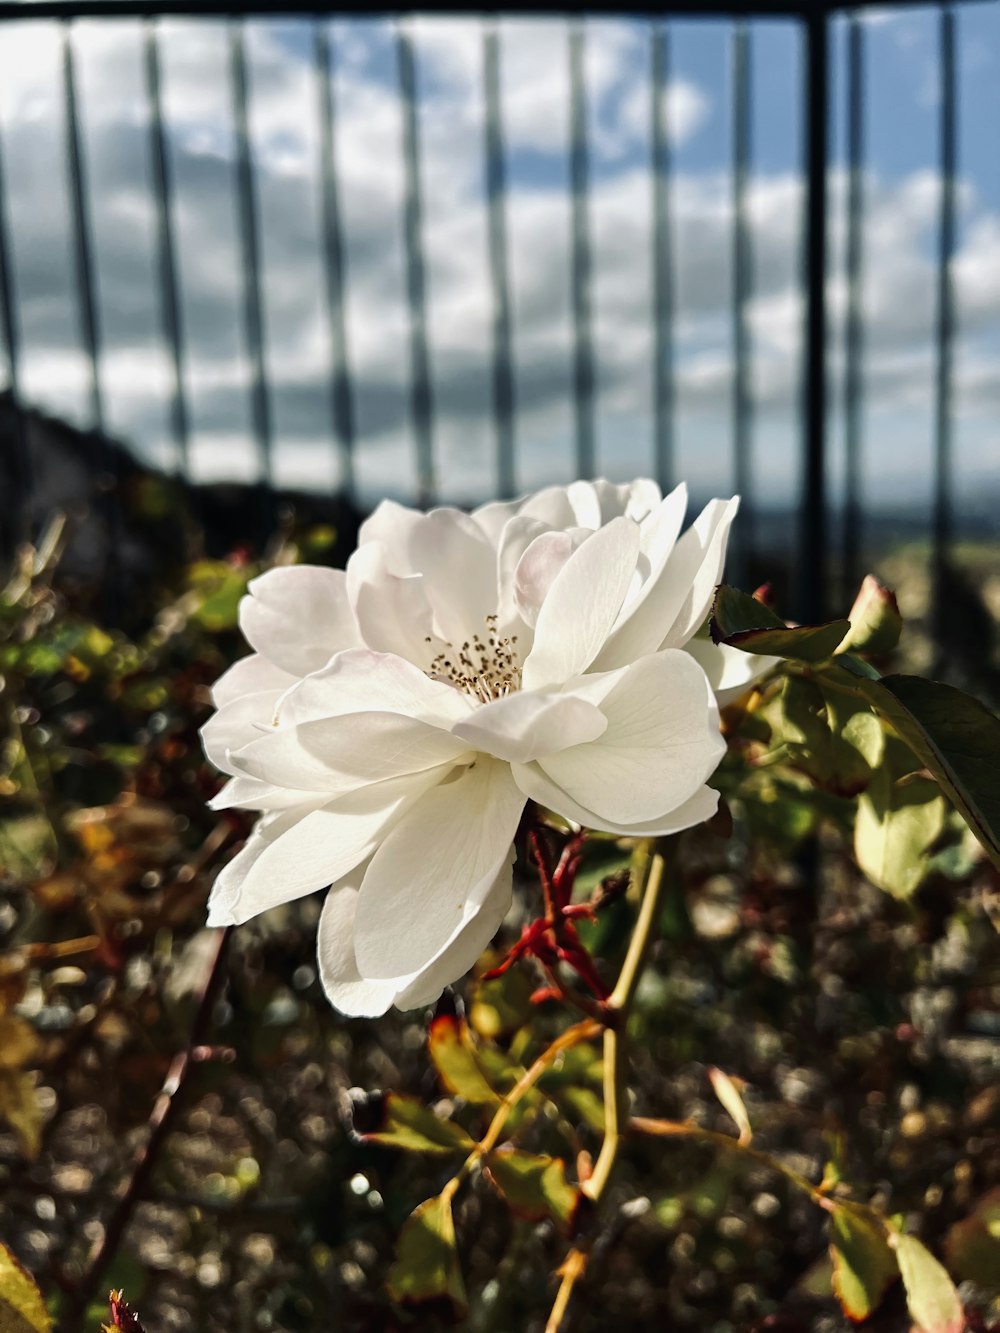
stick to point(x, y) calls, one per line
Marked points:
point(649, 871)
point(571, 1037)
point(679, 1129)
point(161, 1117)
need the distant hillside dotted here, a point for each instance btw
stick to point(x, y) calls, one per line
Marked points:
point(132, 525)
point(131, 521)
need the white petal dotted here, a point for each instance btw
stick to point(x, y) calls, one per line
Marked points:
point(224, 903)
point(536, 785)
point(696, 566)
point(523, 726)
point(390, 525)
point(434, 869)
point(582, 604)
point(363, 681)
point(730, 671)
point(346, 989)
point(552, 506)
point(298, 616)
point(583, 496)
point(518, 534)
point(236, 724)
point(294, 853)
point(337, 754)
point(493, 517)
point(461, 952)
point(250, 675)
point(542, 561)
point(647, 614)
point(598, 502)
point(644, 496)
point(243, 793)
point(393, 613)
point(661, 744)
point(459, 570)
point(367, 997)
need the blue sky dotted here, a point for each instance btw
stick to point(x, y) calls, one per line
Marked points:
point(900, 236)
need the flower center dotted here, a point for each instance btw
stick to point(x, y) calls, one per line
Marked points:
point(486, 667)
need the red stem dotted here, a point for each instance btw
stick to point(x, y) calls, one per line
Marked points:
point(83, 1291)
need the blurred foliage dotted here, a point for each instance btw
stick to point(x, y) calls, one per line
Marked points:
point(856, 1014)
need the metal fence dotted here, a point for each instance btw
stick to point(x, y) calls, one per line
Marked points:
point(815, 545)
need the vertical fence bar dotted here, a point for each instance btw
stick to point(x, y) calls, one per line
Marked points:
point(82, 236)
point(812, 509)
point(944, 332)
point(107, 500)
point(334, 268)
point(663, 280)
point(422, 400)
point(253, 313)
point(170, 311)
point(583, 351)
point(854, 333)
point(496, 197)
point(21, 471)
point(741, 406)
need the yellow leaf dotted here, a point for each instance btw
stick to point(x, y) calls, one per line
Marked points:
point(931, 1297)
point(728, 1094)
point(22, 1309)
point(426, 1267)
point(896, 824)
point(863, 1263)
point(453, 1050)
point(18, 1043)
point(19, 1107)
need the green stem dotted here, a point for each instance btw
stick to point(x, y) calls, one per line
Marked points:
point(571, 1037)
point(649, 871)
point(678, 1129)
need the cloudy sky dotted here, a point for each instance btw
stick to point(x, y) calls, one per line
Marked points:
point(902, 188)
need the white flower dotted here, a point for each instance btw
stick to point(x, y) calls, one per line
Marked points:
point(396, 717)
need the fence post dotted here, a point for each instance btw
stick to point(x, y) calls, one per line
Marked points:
point(422, 394)
point(944, 333)
point(496, 199)
point(583, 351)
point(19, 507)
point(812, 508)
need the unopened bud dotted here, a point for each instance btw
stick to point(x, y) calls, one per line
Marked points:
point(875, 620)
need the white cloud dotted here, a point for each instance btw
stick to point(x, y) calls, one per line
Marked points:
point(686, 107)
point(899, 257)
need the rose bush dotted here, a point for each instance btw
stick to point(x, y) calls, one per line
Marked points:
point(396, 717)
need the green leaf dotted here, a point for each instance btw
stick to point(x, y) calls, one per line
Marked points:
point(426, 1267)
point(860, 729)
point(972, 1245)
point(863, 1262)
point(220, 609)
point(952, 734)
point(502, 1005)
point(931, 1297)
point(729, 1095)
point(453, 1049)
point(874, 618)
point(534, 1186)
point(777, 811)
point(897, 822)
point(742, 622)
point(413, 1127)
point(830, 759)
point(22, 1309)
